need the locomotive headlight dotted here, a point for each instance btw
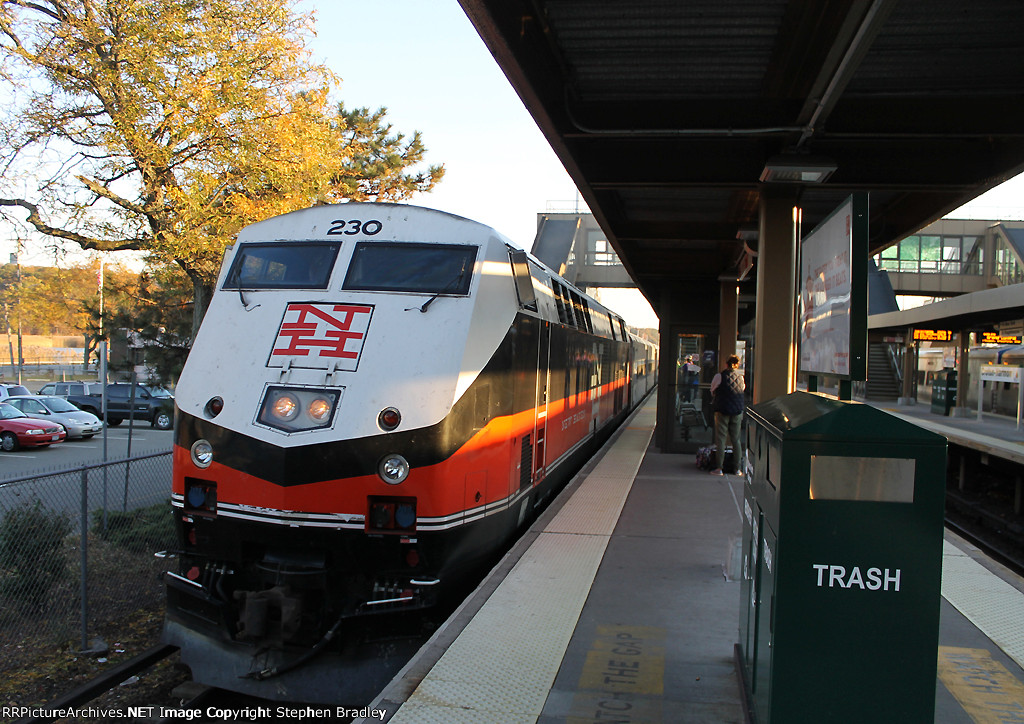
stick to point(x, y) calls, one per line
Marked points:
point(285, 407)
point(393, 469)
point(202, 453)
point(319, 409)
point(298, 409)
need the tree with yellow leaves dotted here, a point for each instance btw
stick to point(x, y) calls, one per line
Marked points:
point(168, 125)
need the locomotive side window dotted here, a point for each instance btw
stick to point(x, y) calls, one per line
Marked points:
point(289, 265)
point(523, 280)
point(565, 315)
point(411, 267)
point(587, 320)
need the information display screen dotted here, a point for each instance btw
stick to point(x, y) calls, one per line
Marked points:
point(833, 294)
point(933, 335)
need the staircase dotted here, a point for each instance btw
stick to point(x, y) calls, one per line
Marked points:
point(882, 383)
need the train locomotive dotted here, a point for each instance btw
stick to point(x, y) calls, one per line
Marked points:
point(379, 397)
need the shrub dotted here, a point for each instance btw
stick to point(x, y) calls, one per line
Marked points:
point(31, 552)
point(142, 531)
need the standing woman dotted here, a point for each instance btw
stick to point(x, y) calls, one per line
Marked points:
point(727, 401)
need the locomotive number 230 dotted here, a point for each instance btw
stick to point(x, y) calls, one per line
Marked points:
point(352, 227)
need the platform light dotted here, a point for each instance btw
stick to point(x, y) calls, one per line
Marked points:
point(794, 168)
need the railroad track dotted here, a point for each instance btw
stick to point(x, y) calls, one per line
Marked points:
point(1000, 548)
point(201, 698)
point(982, 512)
point(101, 684)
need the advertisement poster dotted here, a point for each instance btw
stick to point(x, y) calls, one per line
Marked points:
point(833, 299)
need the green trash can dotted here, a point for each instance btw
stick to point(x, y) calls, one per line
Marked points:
point(839, 615)
point(944, 392)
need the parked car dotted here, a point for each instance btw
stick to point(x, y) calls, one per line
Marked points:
point(64, 389)
point(154, 405)
point(83, 395)
point(10, 390)
point(76, 422)
point(19, 430)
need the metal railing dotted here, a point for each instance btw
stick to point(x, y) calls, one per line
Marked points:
point(77, 553)
point(895, 363)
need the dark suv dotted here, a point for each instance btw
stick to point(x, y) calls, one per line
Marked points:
point(153, 404)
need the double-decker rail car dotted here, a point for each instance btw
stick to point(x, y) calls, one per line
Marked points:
point(644, 358)
point(378, 398)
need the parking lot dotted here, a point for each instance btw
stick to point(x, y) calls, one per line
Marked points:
point(74, 453)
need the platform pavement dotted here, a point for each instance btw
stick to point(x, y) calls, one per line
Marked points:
point(665, 605)
point(994, 434)
point(652, 637)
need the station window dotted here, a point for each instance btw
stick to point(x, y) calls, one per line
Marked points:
point(933, 254)
point(1007, 267)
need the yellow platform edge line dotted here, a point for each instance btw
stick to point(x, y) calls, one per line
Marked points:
point(502, 666)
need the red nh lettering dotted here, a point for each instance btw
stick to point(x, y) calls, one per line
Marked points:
point(319, 329)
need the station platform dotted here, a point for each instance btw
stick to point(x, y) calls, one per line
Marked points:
point(993, 434)
point(622, 604)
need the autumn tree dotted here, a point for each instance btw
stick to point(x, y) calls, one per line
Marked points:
point(155, 310)
point(168, 125)
point(55, 300)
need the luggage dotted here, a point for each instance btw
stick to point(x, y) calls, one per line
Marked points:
point(706, 458)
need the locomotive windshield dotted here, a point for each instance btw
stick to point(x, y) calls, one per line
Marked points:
point(411, 267)
point(288, 265)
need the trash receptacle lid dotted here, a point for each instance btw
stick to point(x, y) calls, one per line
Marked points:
point(804, 414)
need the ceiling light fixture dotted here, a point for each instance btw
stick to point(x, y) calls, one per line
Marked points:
point(797, 169)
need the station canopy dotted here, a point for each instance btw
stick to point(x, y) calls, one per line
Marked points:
point(675, 118)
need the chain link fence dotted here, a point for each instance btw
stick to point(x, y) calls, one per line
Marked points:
point(77, 553)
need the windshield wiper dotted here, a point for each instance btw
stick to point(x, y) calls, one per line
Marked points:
point(453, 284)
point(245, 304)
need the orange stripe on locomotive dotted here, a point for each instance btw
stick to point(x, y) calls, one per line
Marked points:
point(482, 471)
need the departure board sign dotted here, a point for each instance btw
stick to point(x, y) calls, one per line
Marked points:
point(996, 338)
point(933, 335)
point(834, 294)
point(1000, 373)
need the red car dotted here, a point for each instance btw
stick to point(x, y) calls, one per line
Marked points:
point(19, 430)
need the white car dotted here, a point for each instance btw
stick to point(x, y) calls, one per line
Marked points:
point(12, 390)
point(77, 423)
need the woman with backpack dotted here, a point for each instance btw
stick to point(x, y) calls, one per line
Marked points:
point(727, 400)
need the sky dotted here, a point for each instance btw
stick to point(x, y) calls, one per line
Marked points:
point(424, 62)
point(427, 65)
